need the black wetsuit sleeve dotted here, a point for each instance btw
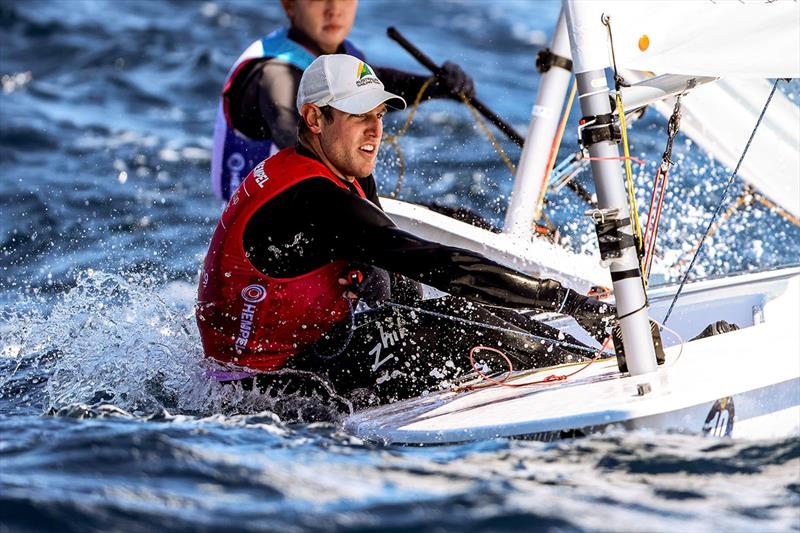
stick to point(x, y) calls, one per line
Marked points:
point(277, 100)
point(370, 189)
point(261, 101)
point(363, 233)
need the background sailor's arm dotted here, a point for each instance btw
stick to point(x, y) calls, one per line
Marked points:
point(277, 95)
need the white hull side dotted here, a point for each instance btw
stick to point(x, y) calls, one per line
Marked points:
point(757, 367)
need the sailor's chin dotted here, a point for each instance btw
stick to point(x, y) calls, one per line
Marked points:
point(364, 171)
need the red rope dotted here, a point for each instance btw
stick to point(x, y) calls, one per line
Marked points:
point(549, 379)
point(651, 230)
point(600, 292)
point(634, 159)
point(650, 219)
point(481, 374)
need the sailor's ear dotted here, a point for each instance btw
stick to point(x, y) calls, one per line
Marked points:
point(288, 7)
point(312, 117)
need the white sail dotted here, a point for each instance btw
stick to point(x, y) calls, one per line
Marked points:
point(757, 39)
point(720, 117)
point(772, 164)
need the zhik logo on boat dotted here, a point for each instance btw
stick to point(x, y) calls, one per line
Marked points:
point(365, 75)
point(252, 295)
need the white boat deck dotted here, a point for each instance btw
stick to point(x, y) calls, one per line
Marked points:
point(757, 368)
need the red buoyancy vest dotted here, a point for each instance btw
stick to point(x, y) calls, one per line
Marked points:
point(247, 317)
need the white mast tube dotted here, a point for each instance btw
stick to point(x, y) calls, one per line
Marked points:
point(535, 156)
point(588, 42)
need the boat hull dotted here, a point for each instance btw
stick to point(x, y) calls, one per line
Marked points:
point(745, 383)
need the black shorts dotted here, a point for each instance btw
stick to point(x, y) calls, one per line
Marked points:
point(399, 351)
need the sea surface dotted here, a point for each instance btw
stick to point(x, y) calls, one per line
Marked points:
point(107, 420)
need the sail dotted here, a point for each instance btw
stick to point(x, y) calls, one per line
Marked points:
point(720, 116)
point(755, 39)
point(772, 164)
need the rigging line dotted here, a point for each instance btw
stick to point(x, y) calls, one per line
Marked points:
point(565, 163)
point(350, 330)
point(722, 201)
point(632, 207)
point(654, 213)
point(741, 201)
point(747, 199)
point(662, 175)
point(566, 178)
point(548, 379)
point(629, 172)
point(634, 159)
point(491, 327)
point(778, 210)
point(499, 149)
point(392, 140)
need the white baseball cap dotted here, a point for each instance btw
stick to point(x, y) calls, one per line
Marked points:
point(346, 83)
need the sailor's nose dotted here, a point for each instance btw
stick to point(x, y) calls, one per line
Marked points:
point(375, 127)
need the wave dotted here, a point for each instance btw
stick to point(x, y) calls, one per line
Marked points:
point(123, 344)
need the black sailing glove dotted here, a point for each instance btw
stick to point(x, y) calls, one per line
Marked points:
point(592, 315)
point(367, 283)
point(405, 291)
point(453, 80)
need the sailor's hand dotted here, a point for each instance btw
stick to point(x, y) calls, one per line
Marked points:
point(456, 81)
point(352, 283)
point(594, 316)
point(404, 290)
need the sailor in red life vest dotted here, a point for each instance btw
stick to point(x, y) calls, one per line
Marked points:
point(256, 116)
point(304, 236)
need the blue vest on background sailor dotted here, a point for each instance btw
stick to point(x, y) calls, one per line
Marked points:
point(235, 155)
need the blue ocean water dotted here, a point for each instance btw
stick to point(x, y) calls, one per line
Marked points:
point(107, 421)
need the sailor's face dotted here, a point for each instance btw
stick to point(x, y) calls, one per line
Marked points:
point(351, 142)
point(327, 22)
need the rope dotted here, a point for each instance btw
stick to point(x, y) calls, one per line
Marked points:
point(468, 322)
point(637, 226)
point(618, 84)
point(392, 140)
point(742, 200)
point(499, 149)
point(778, 210)
point(627, 159)
point(552, 378)
point(653, 219)
point(747, 198)
point(350, 330)
point(721, 202)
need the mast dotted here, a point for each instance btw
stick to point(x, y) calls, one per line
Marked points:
point(532, 166)
point(612, 217)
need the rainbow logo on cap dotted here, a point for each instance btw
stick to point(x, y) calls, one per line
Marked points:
point(364, 70)
point(365, 75)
